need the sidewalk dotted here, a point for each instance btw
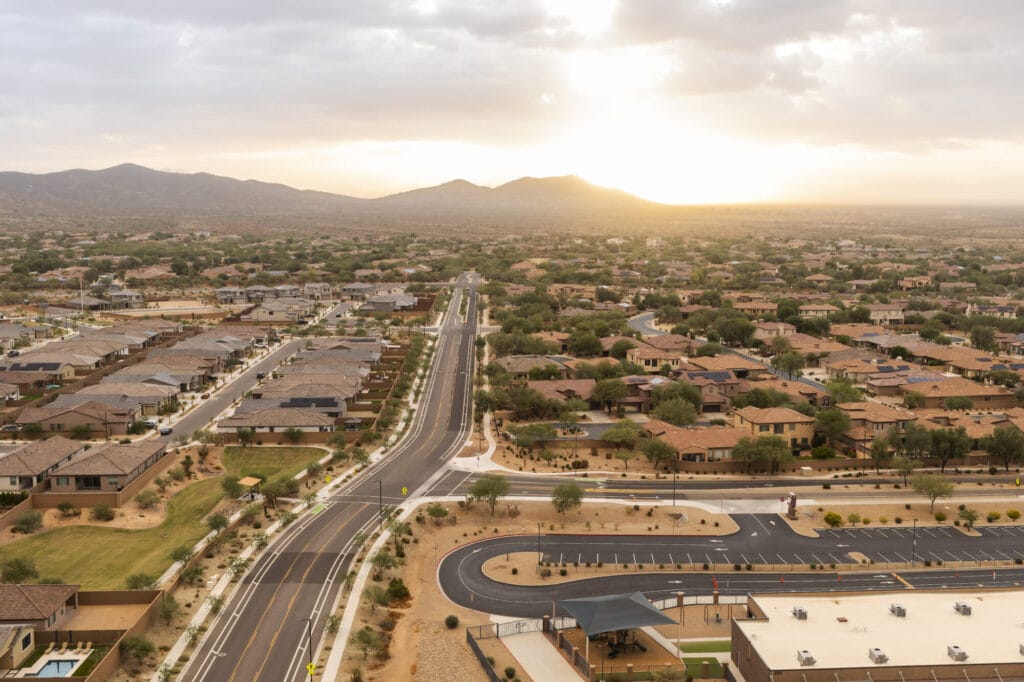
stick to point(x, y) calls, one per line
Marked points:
point(539, 659)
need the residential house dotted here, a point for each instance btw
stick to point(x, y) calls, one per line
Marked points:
point(1003, 312)
point(817, 309)
point(9, 392)
point(231, 296)
point(108, 467)
point(795, 428)
point(677, 343)
point(388, 303)
point(278, 311)
point(562, 390)
point(699, 444)
point(915, 282)
point(520, 367)
point(316, 291)
point(100, 419)
point(273, 420)
point(259, 293)
point(43, 607)
point(871, 420)
point(766, 331)
point(147, 399)
point(30, 464)
point(885, 313)
point(87, 302)
point(653, 359)
point(126, 298)
point(357, 291)
point(742, 367)
point(17, 643)
point(982, 396)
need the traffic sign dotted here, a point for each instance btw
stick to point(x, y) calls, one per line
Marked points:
point(405, 491)
point(327, 478)
point(1017, 482)
point(310, 667)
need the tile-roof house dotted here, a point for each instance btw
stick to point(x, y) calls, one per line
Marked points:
point(17, 642)
point(46, 607)
point(108, 467)
point(278, 419)
point(101, 418)
point(796, 428)
point(28, 465)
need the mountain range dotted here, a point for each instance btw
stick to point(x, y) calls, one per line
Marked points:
point(131, 191)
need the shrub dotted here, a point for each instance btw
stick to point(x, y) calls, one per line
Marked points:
point(1012, 514)
point(139, 581)
point(883, 519)
point(102, 512)
point(545, 573)
point(907, 507)
point(898, 519)
point(451, 622)
point(563, 572)
point(397, 590)
point(510, 672)
point(853, 519)
point(833, 520)
point(515, 571)
point(68, 509)
point(28, 523)
point(940, 516)
point(147, 499)
point(865, 520)
point(993, 516)
point(826, 486)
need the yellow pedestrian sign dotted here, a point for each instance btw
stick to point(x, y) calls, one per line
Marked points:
point(405, 491)
point(1017, 482)
point(310, 667)
point(327, 478)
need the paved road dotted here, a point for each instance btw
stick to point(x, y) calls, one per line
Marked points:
point(643, 323)
point(762, 540)
point(596, 486)
point(262, 634)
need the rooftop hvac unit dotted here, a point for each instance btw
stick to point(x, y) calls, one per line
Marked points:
point(877, 655)
point(956, 653)
point(800, 613)
point(1022, 649)
point(963, 608)
point(898, 610)
point(805, 658)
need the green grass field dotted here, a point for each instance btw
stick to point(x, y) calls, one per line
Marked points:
point(709, 647)
point(693, 667)
point(101, 558)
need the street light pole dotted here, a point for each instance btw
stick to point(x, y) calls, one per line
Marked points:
point(675, 476)
point(913, 547)
point(309, 644)
point(380, 503)
point(540, 557)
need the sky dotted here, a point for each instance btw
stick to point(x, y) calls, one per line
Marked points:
point(679, 101)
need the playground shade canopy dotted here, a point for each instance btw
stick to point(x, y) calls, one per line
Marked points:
point(614, 612)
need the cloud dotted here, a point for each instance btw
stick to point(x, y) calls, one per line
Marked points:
point(106, 80)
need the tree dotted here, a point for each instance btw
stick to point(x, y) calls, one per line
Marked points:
point(833, 520)
point(217, 522)
point(619, 349)
point(968, 517)
point(437, 511)
point(245, 436)
point(399, 529)
point(368, 640)
point(623, 434)
point(657, 450)
point(585, 345)
point(147, 499)
point(983, 337)
point(932, 486)
point(624, 456)
point(490, 488)
point(609, 391)
point(789, 363)
point(294, 434)
point(880, 453)
point(18, 570)
point(383, 560)
point(949, 444)
point(529, 435)
point(916, 441)
point(566, 497)
point(1005, 444)
point(139, 581)
point(135, 650)
point(904, 466)
point(842, 391)
point(958, 402)
point(913, 399)
point(676, 411)
point(832, 423)
point(169, 609)
point(771, 451)
point(780, 345)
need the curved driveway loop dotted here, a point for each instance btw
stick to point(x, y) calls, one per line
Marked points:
point(762, 539)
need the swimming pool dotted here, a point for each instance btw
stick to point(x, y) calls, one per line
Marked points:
point(57, 668)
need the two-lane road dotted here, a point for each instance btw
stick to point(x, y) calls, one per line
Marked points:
point(262, 631)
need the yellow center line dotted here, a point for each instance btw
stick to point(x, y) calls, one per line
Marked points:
point(273, 597)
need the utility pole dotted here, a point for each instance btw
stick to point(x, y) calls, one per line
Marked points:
point(540, 557)
point(675, 476)
point(913, 547)
point(380, 503)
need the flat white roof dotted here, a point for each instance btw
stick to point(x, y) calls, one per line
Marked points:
point(840, 629)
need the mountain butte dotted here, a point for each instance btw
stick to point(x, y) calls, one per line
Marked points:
point(129, 189)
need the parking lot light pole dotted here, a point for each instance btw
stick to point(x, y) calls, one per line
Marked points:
point(913, 546)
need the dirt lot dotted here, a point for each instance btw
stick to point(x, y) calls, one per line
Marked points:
point(869, 515)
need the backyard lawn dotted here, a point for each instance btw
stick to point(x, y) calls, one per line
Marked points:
point(711, 646)
point(101, 558)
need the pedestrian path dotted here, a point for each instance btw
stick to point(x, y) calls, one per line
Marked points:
point(539, 658)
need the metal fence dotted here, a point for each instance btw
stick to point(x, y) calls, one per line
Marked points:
point(492, 674)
